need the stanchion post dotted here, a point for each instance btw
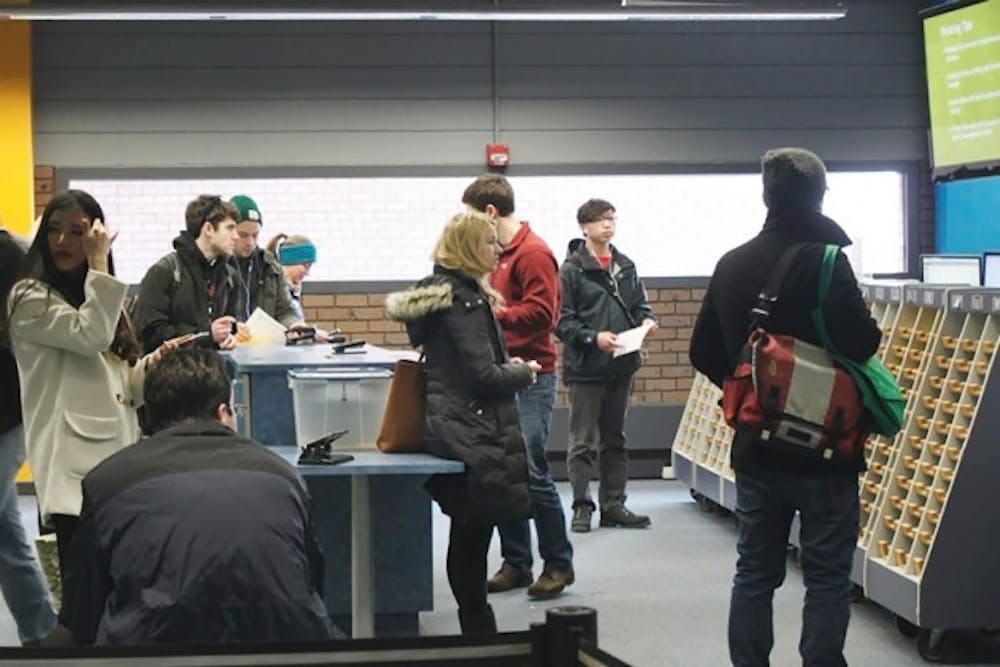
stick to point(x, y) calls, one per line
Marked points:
point(564, 626)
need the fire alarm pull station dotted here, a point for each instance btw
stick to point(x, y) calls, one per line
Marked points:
point(497, 155)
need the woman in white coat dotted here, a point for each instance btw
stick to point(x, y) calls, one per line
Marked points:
point(78, 358)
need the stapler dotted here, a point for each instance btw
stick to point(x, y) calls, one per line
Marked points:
point(321, 451)
point(356, 346)
point(300, 336)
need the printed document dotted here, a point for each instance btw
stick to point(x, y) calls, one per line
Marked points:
point(631, 340)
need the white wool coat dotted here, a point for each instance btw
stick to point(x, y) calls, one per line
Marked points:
point(78, 397)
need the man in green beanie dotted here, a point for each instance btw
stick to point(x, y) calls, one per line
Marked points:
point(263, 280)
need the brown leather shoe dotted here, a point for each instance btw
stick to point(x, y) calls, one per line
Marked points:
point(508, 578)
point(551, 584)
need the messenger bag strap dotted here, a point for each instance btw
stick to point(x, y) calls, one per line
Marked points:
point(772, 289)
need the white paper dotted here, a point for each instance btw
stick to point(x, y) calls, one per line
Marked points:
point(264, 329)
point(631, 340)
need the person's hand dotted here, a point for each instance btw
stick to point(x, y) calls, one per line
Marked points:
point(222, 329)
point(653, 326)
point(228, 343)
point(516, 360)
point(97, 245)
point(536, 368)
point(607, 341)
point(322, 336)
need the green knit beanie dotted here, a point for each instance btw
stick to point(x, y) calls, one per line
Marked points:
point(247, 208)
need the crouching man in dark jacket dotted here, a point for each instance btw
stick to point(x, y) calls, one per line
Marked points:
point(195, 535)
point(769, 489)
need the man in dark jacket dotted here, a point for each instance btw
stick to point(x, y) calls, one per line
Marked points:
point(196, 534)
point(263, 280)
point(197, 287)
point(770, 488)
point(24, 588)
point(602, 295)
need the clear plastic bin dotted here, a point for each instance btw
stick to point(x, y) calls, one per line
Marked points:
point(339, 399)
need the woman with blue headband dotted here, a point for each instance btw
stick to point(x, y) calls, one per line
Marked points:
point(296, 254)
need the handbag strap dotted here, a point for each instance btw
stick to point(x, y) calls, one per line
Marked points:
point(772, 289)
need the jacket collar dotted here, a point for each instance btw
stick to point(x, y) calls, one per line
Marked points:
point(807, 226)
point(578, 254)
point(208, 427)
point(522, 233)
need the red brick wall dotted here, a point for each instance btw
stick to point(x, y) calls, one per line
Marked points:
point(664, 379)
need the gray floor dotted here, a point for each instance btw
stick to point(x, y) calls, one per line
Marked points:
point(661, 594)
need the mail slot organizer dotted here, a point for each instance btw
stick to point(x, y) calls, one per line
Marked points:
point(700, 453)
point(927, 548)
point(326, 401)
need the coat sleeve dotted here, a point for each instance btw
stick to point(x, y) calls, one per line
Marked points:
point(88, 579)
point(44, 318)
point(538, 276)
point(284, 310)
point(154, 309)
point(708, 349)
point(483, 375)
point(641, 310)
point(849, 322)
point(572, 330)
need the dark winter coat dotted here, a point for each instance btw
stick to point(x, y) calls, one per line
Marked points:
point(596, 299)
point(471, 387)
point(724, 321)
point(195, 535)
point(11, 259)
point(174, 295)
point(265, 287)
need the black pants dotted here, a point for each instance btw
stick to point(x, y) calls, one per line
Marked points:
point(468, 545)
point(65, 527)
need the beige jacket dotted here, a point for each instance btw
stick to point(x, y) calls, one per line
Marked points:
point(78, 397)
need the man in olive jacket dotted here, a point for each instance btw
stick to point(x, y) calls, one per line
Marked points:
point(601, 295)
point(263, 280)
point(770, 488)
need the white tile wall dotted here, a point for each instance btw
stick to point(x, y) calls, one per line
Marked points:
point(385, 228)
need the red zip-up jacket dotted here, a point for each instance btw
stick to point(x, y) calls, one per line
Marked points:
point(527, 275)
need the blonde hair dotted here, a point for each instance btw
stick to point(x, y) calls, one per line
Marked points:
point(280, 239)
point(458, 248)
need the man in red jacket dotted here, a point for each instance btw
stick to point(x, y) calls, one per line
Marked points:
point(527, 275)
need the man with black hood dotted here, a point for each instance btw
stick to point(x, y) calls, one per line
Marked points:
point(769, 487)
point(197, 287)
point(602, 295)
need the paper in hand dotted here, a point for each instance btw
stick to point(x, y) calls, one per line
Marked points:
point(631, 339)
point(264, 329)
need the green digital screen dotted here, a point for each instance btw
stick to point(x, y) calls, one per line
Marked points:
point(963, 84)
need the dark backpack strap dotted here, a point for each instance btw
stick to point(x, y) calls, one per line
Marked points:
point(772, 289)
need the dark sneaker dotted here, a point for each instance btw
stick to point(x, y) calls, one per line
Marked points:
point(551, 584)
point(624, 518)
point(508, 578)
point(581, 518)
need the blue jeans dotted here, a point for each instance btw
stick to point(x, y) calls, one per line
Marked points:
point(766, 501)
point(24, 588)
point(534, 406)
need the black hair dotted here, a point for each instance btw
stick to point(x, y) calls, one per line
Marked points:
point(592, 210)
point(208, 208)
point(40, 266)
point(185, 384)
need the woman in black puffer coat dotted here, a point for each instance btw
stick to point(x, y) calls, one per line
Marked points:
point(471, 411)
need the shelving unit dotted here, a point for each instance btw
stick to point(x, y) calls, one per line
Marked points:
point(929, 537)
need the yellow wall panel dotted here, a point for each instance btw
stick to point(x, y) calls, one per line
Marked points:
point(17, 192)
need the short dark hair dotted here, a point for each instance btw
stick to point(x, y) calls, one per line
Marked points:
point(490, 189)
point(185, 384)
point(208, 208)
point(592, 210)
